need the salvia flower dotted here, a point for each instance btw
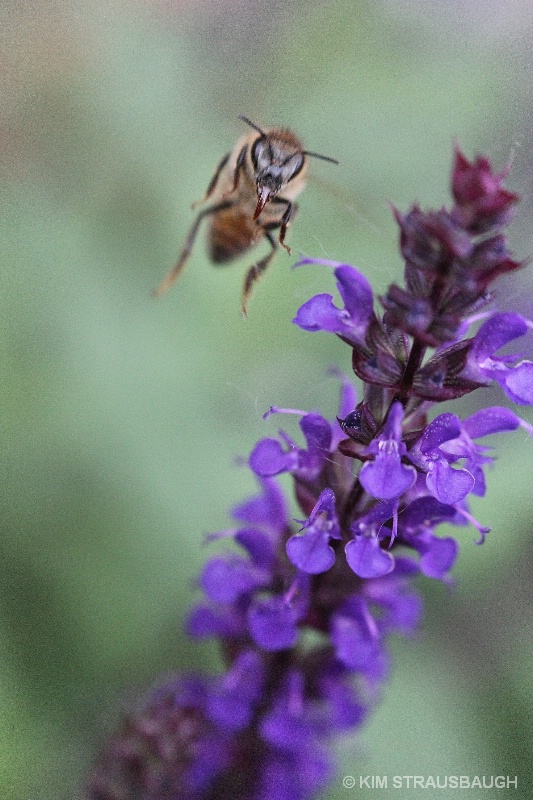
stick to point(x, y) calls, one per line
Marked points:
point(304, 608)
point(350, 322)
point(311, 552)
point(386, 476)
point(516, 381)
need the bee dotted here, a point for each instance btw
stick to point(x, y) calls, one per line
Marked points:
point(252, 191)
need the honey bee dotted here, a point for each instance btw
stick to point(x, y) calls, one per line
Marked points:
point(253, 191)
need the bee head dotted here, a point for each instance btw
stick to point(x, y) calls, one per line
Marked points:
point(277, 158)
point(275, 165)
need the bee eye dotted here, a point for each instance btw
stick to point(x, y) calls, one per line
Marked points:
point(293, 165)
point(261, 154)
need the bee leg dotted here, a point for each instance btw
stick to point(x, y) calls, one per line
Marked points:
point(173, 274)
point(288, 214)
point(237, 172)
point(213, 182)
point(255, 272)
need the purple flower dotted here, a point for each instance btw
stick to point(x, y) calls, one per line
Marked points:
point(416, 527)
point(399, 606)
point(364, 553)
point(493, 419)
point(225, 578)
point(356, 638)
point(273, 620)
point(205, 621)
point(267, 510)
point(486, 421)
point(350, 322)
point(273, 623)
point(386, 477)
point(344, 709)
point(269, 458)
point(516, 381)
point(288, 725)
point(294, 776)
point(447, 484)
point(367, 558)
point(298, 765)
point(232, 699)
point(311, 551)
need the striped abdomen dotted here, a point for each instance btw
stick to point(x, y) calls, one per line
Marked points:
point(231, 233)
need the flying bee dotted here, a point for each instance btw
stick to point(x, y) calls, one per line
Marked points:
point(253, 192)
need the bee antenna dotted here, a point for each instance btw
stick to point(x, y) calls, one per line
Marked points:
point(251, 124)
point(319, 155)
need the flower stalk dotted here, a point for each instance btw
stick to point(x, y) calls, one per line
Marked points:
point(304, 610)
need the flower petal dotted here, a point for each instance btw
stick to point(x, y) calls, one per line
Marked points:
point(494, 419)
point(447, 484)
point(439, 558)
point(442, 429)
point(367, 559)
point(225, 578)
point(269, 458)
point(386, 477)
point(273, 623)
point(321, 314)
point(311, 552)
point(495, 332)
point(518, 383)
point(356, 292)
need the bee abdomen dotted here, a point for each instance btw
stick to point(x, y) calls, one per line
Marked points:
point(231, 234)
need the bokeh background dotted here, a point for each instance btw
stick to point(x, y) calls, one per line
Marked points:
point(123, 417)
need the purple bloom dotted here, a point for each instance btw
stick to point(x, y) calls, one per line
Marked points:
point(311, 552)
point(447, 484)
point(343, 706)
point(416, 527)
point(269, 458)
point(386, 477)
point(356, 638)
point(493, 419)
point(225, 578)
point(233, 697)
point(486, 421)
point(205, 621)
point(268, 509)
point(260, 547)
point(367, 558)
point(273, 620)
point(350, 322)
point(273, 623)
point(287, 725)
point(294, 776)
point(399, 605)
point(516, 381)
point(364, 553)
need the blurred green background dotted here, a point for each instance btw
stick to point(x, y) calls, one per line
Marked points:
point(123, 416)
